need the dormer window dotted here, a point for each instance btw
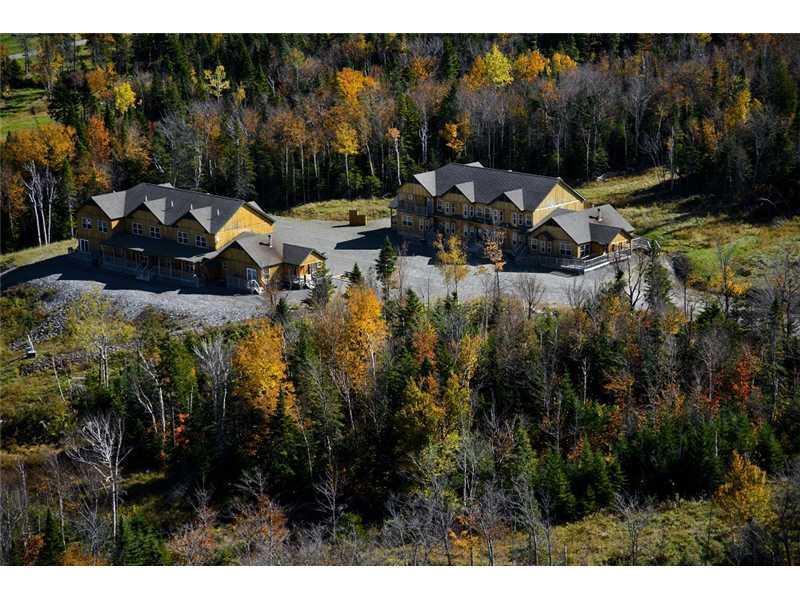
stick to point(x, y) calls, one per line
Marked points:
point(155, 232)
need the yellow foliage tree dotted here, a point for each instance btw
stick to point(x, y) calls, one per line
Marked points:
point(48, 145)
point(345, 142)
point(363, 333)
point(530, 65)
point(124, 97)
point(451, 260)
point(261, 368)
point(562, 63)
point(452, 140)
point(215, 81)
point(745, 495)
point(498, 67)
point(351, 83)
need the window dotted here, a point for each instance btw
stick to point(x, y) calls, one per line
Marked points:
point(421, 225)
point(479, 211)
point(83, 245)
point(514, 237)
point(155, 232)
point(102, 226)
point(408, 221)
point(137, 229)
point(565, 248)
point(87, 223)
point(515, 219)
point(182, 237)
point(528, 219)
point(545, 246)
point(200, 241)
point(586, 249)
point(251, 274)
point(448, 208)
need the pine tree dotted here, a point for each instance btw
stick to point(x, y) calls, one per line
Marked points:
point(385, 264)
point(138, 544)
point(282, 458)
point(323, 289)
point(554, 487)
point(355, 277)
point(52, 550)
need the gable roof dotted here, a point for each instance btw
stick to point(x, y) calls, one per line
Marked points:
point(597, 224)
point(257, 246)
point(169, 204)
point(485, 185)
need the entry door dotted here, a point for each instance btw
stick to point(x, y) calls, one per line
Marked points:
point(83, 245)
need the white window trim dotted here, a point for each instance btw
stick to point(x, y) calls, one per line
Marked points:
point(182, 237)
point(102, 226)
point(197, 239)
point(248, 271)
point(83, 245)
point(87, 223)
point(155, 232)
point(564, 249)
point(137, 229)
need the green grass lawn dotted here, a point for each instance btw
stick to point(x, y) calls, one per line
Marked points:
point(693, 224)
point(337, 210)
point(12, 42)
point(35, 254)
point(22, 109)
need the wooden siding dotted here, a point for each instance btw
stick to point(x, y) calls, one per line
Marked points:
point(94, 235)
point(244, 220)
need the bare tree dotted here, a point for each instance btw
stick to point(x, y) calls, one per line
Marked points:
point(527, 514)
point(631, 270)
point(40, 189)
point(531, 290)
point(636, 515)
point(491, 517)
point(214, 356)
point(329, 493)
point(98, 444)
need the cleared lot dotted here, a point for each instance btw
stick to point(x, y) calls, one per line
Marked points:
point(343, 245)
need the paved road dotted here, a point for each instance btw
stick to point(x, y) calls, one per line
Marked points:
point(343, 245)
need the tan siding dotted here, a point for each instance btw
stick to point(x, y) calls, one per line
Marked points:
point(243, 220)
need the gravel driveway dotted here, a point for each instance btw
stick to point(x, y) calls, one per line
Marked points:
point(343, 245)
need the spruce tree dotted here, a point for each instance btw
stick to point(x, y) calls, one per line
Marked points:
point(355, 277)
point(52, 550)
point(323, 289)
point(385, 264)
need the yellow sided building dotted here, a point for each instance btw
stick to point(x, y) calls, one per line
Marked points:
point(541, 218)
point(161, 232)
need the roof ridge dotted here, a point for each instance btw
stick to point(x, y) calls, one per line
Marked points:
point(503, 171)
point(199, 192)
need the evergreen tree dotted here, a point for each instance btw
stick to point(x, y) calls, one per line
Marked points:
point(138, 543)
point(554, 487)
point(355, 277)
point(282, 456)
point(385, 264)
point(52, 550)
point(323, 288)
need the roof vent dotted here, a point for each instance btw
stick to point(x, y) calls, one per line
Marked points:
point(191, 206)
point(599, 215)
point(217, 211)
point(171, 204)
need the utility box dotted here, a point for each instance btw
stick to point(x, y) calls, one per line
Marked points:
point(357, 219)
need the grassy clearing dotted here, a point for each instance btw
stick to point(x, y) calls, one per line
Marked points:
point(35, 254)
point(23, 108)
point(337, 210)
point(694, 224)
point(12, 42)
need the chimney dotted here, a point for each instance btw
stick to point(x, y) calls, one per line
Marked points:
point(171, 204)
point(599, 215)
point(217, 211)
point(191, 206)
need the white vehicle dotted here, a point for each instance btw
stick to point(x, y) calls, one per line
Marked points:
point(253, 286)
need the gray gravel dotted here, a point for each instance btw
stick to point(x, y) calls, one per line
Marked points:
point(343, 245)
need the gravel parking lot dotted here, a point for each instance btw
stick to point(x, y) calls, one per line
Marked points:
point(343, 245)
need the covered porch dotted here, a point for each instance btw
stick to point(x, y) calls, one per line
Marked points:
point(148, 259)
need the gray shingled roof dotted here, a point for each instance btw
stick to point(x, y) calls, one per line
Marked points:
point(597, 224)
point(257, 247)
point(158, 247)
point(169, 204)
point(484, 185)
